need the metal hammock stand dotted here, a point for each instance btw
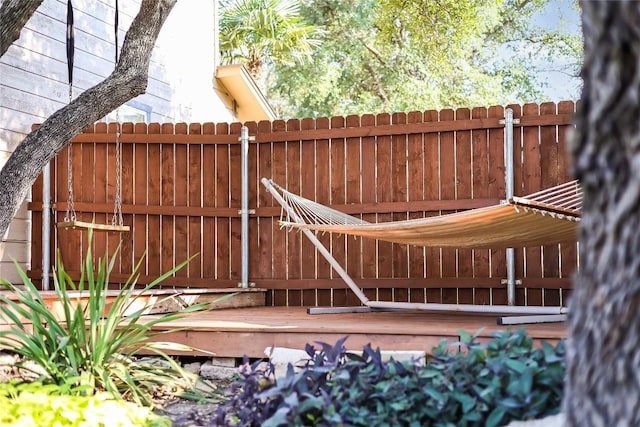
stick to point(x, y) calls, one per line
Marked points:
point(548, 216)
point(70, 218)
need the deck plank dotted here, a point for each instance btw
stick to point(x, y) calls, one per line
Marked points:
point(248, 331)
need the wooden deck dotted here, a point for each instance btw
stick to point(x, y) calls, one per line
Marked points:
point(248, 331)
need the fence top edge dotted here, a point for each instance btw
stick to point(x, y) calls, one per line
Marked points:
point(367, 131)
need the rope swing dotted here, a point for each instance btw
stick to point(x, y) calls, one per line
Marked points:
point(70, 218)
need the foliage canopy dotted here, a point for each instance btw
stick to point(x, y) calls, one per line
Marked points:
point(394, 55)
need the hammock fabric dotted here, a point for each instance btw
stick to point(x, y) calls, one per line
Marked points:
point(546, 217)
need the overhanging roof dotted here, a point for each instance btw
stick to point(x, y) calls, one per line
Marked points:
point(251, 104)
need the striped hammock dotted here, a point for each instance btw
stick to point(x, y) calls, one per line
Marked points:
point(546, 217)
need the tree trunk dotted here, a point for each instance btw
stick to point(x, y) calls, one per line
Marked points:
point(14, 14)
point(603, 354)
point(128, 80)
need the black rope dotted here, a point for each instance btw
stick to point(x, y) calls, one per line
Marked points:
point(70, 45)
point(116, 32)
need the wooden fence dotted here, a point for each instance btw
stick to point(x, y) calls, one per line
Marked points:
point(181, 192)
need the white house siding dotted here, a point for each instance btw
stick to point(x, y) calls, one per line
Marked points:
point(33, 79)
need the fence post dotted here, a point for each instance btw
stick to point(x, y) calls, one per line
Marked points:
point(509, 178)
point(46, 225)
point(244, 207)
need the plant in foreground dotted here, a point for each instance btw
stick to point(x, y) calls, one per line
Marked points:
point(93, 344)
point(481, 385)
point(35, 404)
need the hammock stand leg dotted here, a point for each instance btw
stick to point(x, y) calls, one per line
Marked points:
point(368, 305)
point(336, 266)
point(519, 320)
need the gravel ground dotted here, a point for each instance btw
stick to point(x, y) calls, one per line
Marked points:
point(186, 413)
point(189, 413)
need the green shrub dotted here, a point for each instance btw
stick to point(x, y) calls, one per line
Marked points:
point(38, 405)
point(480, 385)
point(93, 344)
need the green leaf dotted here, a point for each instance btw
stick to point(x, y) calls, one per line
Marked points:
point(434, 394)
point(495, 417)
point(515, 365)
point(526, 382)
point(468, 402)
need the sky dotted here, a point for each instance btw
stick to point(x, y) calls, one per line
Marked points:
point(560, 14)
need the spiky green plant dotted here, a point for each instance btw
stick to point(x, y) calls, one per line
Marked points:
point(94, 344)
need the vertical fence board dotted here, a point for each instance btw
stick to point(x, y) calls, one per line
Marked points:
point(432, 192)
point(278, 165)
point(569, 251)
point(223, 224)
point(307, 189)
point(353, 185)
point(532, 181)
point(549, 178)
point(140, 185)
point(127, 193)
point(69, 240)
point(448, 192)
point(86, 183)
point(399, 194)
point(181, 191)
point(368, 195)
point(113, 239)
point(294, 176)
point(384, 191)
point(195, 169)
point(101, 188)
point(464, 190)
point(480, 186)
point(167, 183)
point(338, 190)
point(323, 195)
point(210, 240)
point(154, 189)
point(265, 241)
point(415, 178)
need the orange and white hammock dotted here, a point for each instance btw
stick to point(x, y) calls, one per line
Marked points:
point(549, 216)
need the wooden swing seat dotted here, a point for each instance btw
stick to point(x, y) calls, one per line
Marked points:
point(73, 223)
point(93, 226)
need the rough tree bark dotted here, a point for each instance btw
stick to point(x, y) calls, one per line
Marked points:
point(13, 15)
point(603, 354)
point(128, 80)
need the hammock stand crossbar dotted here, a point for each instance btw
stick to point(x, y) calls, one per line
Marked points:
point(562, 203)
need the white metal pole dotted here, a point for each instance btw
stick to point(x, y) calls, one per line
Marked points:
point(244, 208)
point(508, 152)
point(46, 226)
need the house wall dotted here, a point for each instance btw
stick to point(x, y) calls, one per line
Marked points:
point(33, 79)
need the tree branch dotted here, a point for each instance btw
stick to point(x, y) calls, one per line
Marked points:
point(14, 14)
point(128, 80)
